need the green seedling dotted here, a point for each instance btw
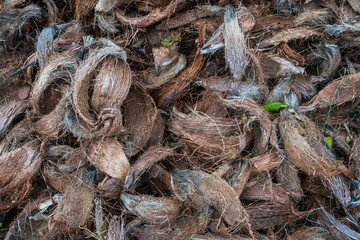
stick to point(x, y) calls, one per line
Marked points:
point(275, 106)
point(168, 41)
point(328, 141)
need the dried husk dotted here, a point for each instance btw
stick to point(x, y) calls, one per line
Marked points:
point(115, 228)
point(266, 191)
point(13, 22)
point(111, 86)
point(108, 155)
point(287, 176)
point(153, 17)
point(190, 16)
point(313, 18)
point(287, 35)
point(201, 190)
point(292, 90)
point(261, 124)
point(31, 222)
point(276, 67)
point(355, 5)
point(157, 134)
point(180, 229)
point(168, 63)
point(302, 154)
point(18, 167)
point(266, 215)
point(104, 15)
point(310, 233)
point(241, 176)
point(236, 56)
point(152, 210)
point(139, 116)
point(337, 229)
point(84, 7)
point(265, 162)
point(211, 137)
point(110, 188)
point(217, 41)
point(20, 134)
point(331, 60)
point(145, 161)
point(62, 165)
point(74, 209)
point(210, 236)
point(340, 91)
point(8, 113)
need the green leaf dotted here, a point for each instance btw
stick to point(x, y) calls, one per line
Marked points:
point(1, 224)
point(166, 42)
point(275, 106)
point(328, 141)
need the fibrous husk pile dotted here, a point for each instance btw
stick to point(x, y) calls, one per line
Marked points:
point(179, 119)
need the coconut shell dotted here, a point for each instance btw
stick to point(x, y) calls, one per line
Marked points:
point(74, 209)
point(138, 103)
point(201, 189)
point(144, 162)
point(152, 210)
point(108, 155)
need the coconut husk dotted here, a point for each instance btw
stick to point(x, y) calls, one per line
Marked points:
point(157, 134)
point(261, 124)
point(264, 163)
point(19, 167)
point(160, 177)
point(337, 93)
point(276, 67)
point(355, 5)
point(74, 209)
point(108, 155)
point(310, 233)
point(105, 16)
point(15, 21)
point(314, 18)
point(153, 17)
point(115, 228)
point(217, 41)
point(210, 236)
point(286, 7)
point(210, 137)
point(302, 154)
point(50, 125)
point(110, 89)
point(236, 56)
point(336, 228)
point(62, 165)
point(265, 191)
point(287, 35)
point(110, 188)
point(9, 113)
point(201, 189)
point(145, 161)
point(168, 63)
point(270, 23)
point(70, 38)
point(190, 16)
point(181, 229)
point(331, 60)
point(20, 134)
point(287, 176)
point(355, 156)
point(266, 215)
point(84, 7)
point(240, 178)
point(152, 210)
point(138, 103)
point(31, 223)
point(347, 34)
point(292, 90)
